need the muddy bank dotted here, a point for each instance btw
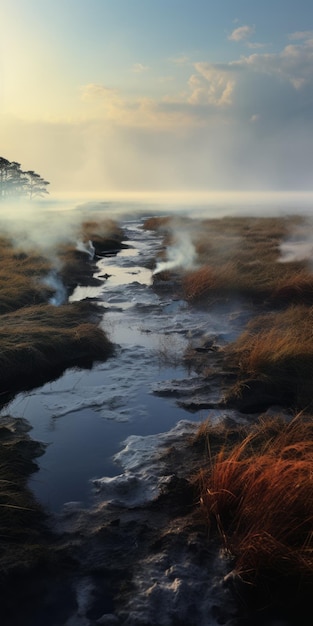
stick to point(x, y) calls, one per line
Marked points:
point(41, 334)
point(122, 563)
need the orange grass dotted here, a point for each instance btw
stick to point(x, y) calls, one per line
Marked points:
point(259, 494)
point(20, 277)
point(252, 278)
point(40, 341)
point(277, 348)
point(105, 234)
point(240, 255)
point(157, 223)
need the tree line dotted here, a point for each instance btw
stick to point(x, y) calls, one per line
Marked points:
point(16, 182)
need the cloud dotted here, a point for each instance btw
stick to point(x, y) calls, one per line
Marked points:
point(138, 68)
point(243, 124)
point(256, 45)
point(113, 107)
point(212, 85)
point(242, 33)
point(301, 34)
point(294, 64)
point(93, 92)
point(183, 59)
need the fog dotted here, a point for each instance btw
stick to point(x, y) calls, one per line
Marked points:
point(47, 223)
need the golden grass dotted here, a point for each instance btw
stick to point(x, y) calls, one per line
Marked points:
point(42, 341)
point(105, 234)
point(20, 275)
point(240, 256)
point(253, 279)
point(258, 493)
point(37, 339)
point(160, 223)
point(277, 348)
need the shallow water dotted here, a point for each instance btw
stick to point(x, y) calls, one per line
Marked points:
point(85, 416)
point(104, 429)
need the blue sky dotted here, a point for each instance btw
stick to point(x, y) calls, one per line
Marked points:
point(159, 95)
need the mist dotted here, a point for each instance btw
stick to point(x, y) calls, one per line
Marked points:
point(298, 245)
point(181, 254)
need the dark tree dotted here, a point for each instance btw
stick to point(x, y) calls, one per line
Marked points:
point(4, 166)
point(15, 182)
point(36, 185)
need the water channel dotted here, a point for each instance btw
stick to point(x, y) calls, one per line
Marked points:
point(85, 416)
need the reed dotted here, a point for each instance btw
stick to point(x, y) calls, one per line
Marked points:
point(40, 342)
point(277, 349)
point(20, 277)
point(239, 256)
point(105, 234)
point(258, 494)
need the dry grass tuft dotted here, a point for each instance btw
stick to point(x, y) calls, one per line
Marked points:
point(20, 277)
point(277, 348)
point(105, 234)
point(240, 256)
point(157, 223)
point(42, 341)
point(258, 493)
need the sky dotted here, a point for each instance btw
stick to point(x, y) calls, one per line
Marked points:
point(189, 96)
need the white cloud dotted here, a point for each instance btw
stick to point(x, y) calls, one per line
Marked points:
point(211, 85)
point(183, 59)
point(294, 64)
point(138, 68)
point(242, 33)
point(94, 91)
point(238, 124)
point(254, 45)
point(300, 34)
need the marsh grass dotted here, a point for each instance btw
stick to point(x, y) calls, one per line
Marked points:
point(105, 234)
point(20, 277)
point(240, 256)
point(42, 341)
point(39, 341)
point(257, 492)
point(277, 349)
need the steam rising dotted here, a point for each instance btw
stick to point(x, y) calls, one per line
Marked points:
point(181, 254)
point(60, 292)
point(38, 227)
point(88, 248)
point(299, 245)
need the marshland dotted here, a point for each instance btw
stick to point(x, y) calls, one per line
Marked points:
point(156, 435)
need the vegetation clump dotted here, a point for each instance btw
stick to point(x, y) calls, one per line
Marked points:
point(276, 349)
point(105, 235)
point(38, 340)
point(257, 492)
point(239, 256)
point(21, 277)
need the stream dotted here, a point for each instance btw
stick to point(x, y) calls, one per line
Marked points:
point(85, 416)
point(102, 469)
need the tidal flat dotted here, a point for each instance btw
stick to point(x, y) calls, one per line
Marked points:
point(164, 366)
